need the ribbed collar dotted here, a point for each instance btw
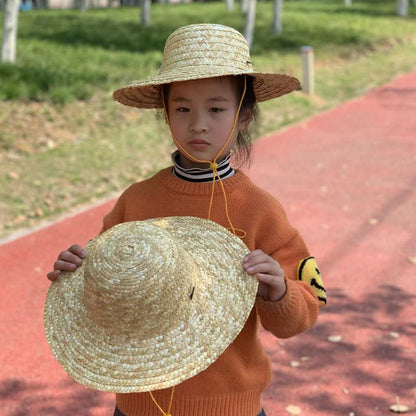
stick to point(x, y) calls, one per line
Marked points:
point(197, 189)
point(201, 175)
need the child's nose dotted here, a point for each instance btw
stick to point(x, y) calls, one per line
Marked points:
point(198, 124)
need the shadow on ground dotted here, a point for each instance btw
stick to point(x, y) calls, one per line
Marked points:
point(22, 398)
point(365, 370)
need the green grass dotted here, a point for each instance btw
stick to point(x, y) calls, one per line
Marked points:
point(68, 55)
point(64, 142)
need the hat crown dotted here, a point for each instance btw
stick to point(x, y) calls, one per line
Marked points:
point(129, 282)
point(205, 46)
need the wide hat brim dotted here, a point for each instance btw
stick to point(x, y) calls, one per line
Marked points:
point(99, 357)
point(147, 93)
point(201, 51)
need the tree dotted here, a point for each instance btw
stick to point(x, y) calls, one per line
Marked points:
point(145, 12)
point(277, 16)
point(230, 4)
point(8, 46)
point(250, 22)
point(41, 4)
point(244, 6)
point(81, 5)
point(402, 7)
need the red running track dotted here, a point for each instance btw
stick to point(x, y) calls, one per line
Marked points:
point(347, 179)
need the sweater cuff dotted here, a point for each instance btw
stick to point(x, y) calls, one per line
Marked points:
point(294, 313)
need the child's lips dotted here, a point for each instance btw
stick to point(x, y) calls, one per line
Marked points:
point(198, 144)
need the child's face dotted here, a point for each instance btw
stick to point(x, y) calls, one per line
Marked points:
point(201, 115)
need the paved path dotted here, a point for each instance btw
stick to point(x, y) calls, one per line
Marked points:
point(347, 179)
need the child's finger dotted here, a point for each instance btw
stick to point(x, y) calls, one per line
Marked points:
point(265, 267)
point(65, 266)
point(68, 257)
point(53, 275)
point(78, 251)
point(253, 255)
point(254, 259)
point(276, 288)
point(268, 279)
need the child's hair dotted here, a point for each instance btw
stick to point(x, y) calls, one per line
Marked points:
point(242, 154)
point(244, 140)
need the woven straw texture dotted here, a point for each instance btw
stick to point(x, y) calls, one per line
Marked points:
point(204, 51)
point(155, 302)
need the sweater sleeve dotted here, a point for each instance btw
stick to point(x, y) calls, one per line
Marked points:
point(115, 216)
point(297, 311)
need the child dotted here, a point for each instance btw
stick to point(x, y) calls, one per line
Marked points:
point(208, 90)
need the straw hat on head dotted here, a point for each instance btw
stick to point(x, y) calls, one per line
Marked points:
point(204, 51)
point(154, 303)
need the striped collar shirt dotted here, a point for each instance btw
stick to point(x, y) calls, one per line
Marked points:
point(201, 175)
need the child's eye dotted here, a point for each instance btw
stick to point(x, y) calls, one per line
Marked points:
point(215, 110)
point(182, 109)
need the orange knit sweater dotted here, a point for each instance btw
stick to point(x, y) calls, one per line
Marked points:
point(233, 384)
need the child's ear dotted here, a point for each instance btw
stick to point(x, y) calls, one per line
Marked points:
point(246, 117)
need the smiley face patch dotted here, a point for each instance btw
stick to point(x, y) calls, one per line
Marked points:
point(308, 271)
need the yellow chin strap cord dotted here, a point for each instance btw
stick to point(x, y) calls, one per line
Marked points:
point(170, 403)
point(213, 164)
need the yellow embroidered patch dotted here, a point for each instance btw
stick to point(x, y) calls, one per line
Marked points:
point(308, 271)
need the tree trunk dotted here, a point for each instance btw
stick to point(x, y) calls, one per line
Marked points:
point(402, 7)
point(277, 26)
point(145, 12)
point(250, 22)
point(244, 6)
point(42, 4)
point(8, 46)
point(80, 5)
point(230, 5)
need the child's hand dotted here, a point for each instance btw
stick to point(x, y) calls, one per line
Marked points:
point(68, 261)
point(270, 275)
